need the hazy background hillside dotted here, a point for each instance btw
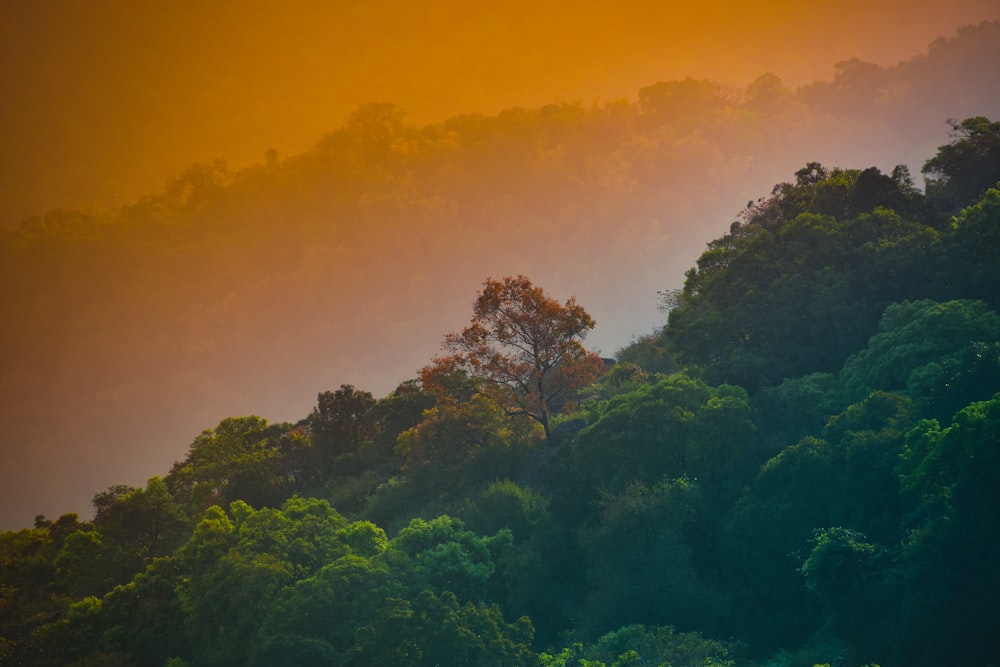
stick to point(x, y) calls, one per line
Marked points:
point(249, 283)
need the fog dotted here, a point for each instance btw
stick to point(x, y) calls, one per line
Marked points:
point(106, 100)
point(248, 284)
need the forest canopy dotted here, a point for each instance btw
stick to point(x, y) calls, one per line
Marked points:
point(811, 479)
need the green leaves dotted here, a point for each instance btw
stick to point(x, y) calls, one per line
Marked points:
point(341, 421)
point(974, 249)
point(964, 169)
point(959, 464)
point(238, 459)
point(332, 603)
point(435, 629)
point(446, 556)
point(942, 354)
point(302, 579)
point(799, 286)
point(643, 645)
point(837, 560)
point(948, 558)
point(677, 426)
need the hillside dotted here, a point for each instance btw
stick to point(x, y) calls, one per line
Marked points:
point(247, 291)
point(800, 468)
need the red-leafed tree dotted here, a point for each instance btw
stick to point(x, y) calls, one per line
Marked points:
point(523, 349)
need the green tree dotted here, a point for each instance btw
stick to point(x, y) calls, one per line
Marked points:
point(525, 348)
point(224, 605)
point(227, 590)
point(506, 504)
point(676, 426)
point(447, 557)
point(295, 651)
point(137, 525)
point(796, 408)
point(845, 478)
point(641, 566)
point(845, 571)
point(948, 558)
point(458, 448)
point(297, 466)
point(453, 432)
point(143, 618)
point(328, 606)
point(436, 629)
point(782, 294)
point(536, 571)
point(240, 459)
point(359, 475)
point(30, 586)
point(965, 169)
point(649, 353)
point(943, 355)
point(341, 421)
point(82, 566)
point(239, 563)
point(973, 248)
point(644, 645)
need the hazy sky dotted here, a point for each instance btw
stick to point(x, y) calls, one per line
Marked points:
point(106, 377)
point(106, 99)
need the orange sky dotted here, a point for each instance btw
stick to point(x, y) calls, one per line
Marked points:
point(107, 99)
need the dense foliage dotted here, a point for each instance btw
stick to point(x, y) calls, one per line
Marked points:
point(813, 480)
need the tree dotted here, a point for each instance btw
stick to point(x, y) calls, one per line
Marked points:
point(523, 348)
point(452, 434)
point(330, 605)
point(974, 250)
point(948, 559)
point(641, 566)
point(28, 583)
point(241, 458)
point(944, 355)
point(131, 527)
point(677, 426)
point(436, 629)
point(443, 555)
point(644, 645)
point(799, 286)
point(967, 167)
point(341, 421)
point(843, 570)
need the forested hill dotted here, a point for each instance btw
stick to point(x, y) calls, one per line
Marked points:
point(247, 289)
point(801, 468)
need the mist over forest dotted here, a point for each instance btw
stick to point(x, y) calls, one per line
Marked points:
point(248, 291)
point(705, 377)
